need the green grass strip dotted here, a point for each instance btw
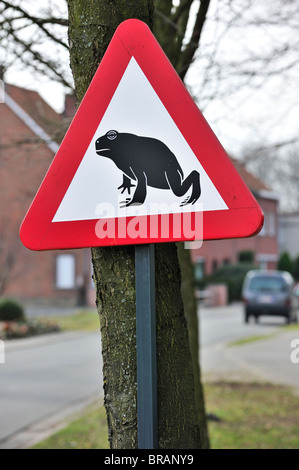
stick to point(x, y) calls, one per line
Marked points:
point(244, 416)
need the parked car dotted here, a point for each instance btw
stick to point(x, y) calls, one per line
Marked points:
point(296, 295)
point(269, 293)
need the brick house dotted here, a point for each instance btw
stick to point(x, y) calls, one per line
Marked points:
point(215, 253)
point(29, 137)
point(289, 233)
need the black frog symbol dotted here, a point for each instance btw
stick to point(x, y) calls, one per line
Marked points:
point(147, 162)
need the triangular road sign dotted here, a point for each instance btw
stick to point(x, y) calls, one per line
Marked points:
point(139, 163)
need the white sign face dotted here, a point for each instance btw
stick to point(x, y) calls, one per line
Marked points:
point(136, 109)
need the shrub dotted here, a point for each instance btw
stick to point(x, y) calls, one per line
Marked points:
point(285, 263)
point(246, 256)
point(233, 276)
point(296, 268)
point(10, 310)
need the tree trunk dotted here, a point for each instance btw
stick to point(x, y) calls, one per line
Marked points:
point(190, 307)
point(91, 26)
point(178, 419)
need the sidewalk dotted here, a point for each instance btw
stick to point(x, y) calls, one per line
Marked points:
point(265, 360)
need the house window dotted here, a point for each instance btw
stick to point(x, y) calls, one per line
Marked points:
point(271, 224)
point(199, 269)
point(267, 260)
point(214, 265)
point(263, 231)
point(65, 271)
point(269, 227)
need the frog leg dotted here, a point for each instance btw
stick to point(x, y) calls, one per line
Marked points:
point(126, 184)
point(140, 191)
point(180, 186)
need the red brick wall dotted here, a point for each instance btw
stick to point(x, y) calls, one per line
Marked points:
point(24, 161)
point(217, 252)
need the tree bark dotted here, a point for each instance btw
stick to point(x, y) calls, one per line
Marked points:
point(190, 307)
point(178, 419)
point(91, 26)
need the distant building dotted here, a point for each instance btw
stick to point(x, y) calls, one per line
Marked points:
point(216, 253)
point(30, 134)
point(289, 233)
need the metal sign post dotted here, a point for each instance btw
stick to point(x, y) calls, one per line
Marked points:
point(146, 347)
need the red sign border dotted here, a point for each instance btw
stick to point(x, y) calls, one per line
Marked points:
point(133, 38)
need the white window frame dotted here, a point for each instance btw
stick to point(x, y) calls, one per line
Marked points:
point(65, 271)
point(263, 231)
point(269, 227)
point(271, 224)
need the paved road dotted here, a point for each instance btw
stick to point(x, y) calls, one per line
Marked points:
point(220, 325)
point(267, 360)
point(44, 375)
point(47, 377)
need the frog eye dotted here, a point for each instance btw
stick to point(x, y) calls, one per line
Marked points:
point(111, 135)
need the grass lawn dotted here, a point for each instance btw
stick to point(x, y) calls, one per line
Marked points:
point(250, 416)
point(86, 320)
point(251, 339)
point(86, 432)
point(253, 416)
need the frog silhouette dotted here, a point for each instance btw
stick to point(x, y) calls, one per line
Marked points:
point(146, 161)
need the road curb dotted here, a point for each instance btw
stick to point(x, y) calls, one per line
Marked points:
point(41, 429)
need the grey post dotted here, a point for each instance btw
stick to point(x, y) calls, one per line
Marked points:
point(146, 347)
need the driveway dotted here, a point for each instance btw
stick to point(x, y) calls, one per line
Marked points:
point(268, 359)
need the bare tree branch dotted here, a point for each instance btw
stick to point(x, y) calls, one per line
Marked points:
point(188, 53)
point(28, 37)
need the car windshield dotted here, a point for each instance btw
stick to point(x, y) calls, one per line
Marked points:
point(267, 284)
